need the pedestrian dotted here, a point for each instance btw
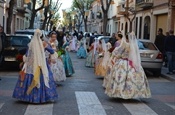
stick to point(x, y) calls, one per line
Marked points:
point(2, 43)
point(82, 51)
point(87, 41)
point(35, 83)
point(90, 60)
point(160, 40)
point(68, 66)
point(170, 52)
point(60, 38)
point(73, 42)
point(91, 39)
point(113, 39)
point(99, 69)
point(57, 67)
point(127, 79)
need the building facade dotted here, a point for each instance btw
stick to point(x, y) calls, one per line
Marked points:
point(145, 17)
point(95, 18)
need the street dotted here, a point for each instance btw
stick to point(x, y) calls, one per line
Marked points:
point(83, 94)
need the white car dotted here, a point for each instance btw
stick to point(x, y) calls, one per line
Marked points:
point(151, 57)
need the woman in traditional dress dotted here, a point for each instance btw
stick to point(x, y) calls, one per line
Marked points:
point(82, 51)
point(57, 67)
point(73, 43)
point(68, 66)
point(127, 79)
point(36, 83)
point(90, 60)
point(107, 60)
point(99, 70)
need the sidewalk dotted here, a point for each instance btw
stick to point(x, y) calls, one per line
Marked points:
point(164, 74)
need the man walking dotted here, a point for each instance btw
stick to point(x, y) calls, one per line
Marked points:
point(170, 51)
point(160, 39)
point(2, 42)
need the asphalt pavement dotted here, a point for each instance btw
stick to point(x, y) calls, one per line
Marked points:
point(83, 94)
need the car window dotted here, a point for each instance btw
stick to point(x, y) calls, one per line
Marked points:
point(17, 41)
point(25, 32)
point(106, 39)
point(146, 45)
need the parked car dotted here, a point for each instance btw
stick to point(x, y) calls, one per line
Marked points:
point(15, 47)
point(29, 32)
point(106, 38)
point(151, 57)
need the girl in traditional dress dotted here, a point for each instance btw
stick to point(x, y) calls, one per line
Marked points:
point(82, 51)
point(57, 67)
point(126, 78)
point(68, 66)
point(99, 70)
point(73, 43)
point(90, 60)
point(36, 83)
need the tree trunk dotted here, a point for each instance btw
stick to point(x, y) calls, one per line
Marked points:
point(10, 15)
point(85, 24)
point(105, 21)
point(46, 10)
point(32, 20)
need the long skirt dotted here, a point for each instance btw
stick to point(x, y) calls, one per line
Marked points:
point(37, 95)
point(58, 71)
point(81, 53)
point(68, 66)
point(125, 82)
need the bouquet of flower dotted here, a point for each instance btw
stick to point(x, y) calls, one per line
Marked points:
point(19, 58)
point(61, 51)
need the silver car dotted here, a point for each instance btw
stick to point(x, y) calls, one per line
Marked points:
point(151, 57)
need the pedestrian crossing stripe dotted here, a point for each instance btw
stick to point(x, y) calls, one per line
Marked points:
point(139, 109)
point(89, 104)
point(44, 109)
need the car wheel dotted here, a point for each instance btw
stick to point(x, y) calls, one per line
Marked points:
point(157, 73)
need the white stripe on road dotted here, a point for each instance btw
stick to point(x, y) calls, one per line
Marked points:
point(45, 109)
point(1, 104)
point(139, 109)
point(89, 104)
point(170, 105)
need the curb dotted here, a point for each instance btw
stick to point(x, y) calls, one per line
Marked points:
point(168, 77)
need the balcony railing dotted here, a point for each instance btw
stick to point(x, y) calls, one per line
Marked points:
point(144, 3)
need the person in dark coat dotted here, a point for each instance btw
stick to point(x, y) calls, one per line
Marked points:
point(2, 42)
point(160, 39)
point(112, 40)
point(91, 39)
point(170, 52)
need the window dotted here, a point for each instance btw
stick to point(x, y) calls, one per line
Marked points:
point(136, 25)
point(140, 27)
point(19, 3)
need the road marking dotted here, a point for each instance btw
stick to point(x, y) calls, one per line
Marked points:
point(139, 109)
point(45, 109)
point(1, 104)
point(89, 104)
point(170, 105)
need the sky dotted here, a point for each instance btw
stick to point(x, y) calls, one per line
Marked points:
point(65, 4)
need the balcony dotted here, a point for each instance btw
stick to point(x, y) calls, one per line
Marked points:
point(144, 3)
point(121, 10)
